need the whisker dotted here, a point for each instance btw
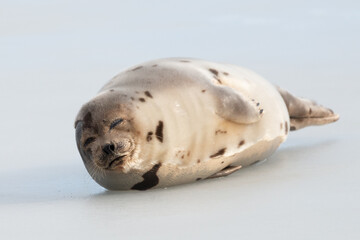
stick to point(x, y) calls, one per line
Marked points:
point(97, 172)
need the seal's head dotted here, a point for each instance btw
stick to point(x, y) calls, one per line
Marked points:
point(105, 134)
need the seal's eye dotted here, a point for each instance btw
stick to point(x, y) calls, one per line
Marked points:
point(116, 122)
point(89, 140)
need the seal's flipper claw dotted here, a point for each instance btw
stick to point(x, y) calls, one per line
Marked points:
point(233, 106)
point(304, 112)
point(225, 172)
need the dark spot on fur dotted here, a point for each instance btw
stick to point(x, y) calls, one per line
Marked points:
point(219, 81)
point(182, 157)
point(310, 111)
point(213, 71)
point(225, 73)
point(261, 111)
point(159, 131)
point(281, 126)
point(198, 161)
point(155, 65)
point(184, 61)
point(137, 68)
point(89, 140)
point(148, 94)
point(286, 128)
point(136, 92)
point(198, 179)
point(132, 98)
point(111, 90)
point(188, 154)
point(203, 90)
point(220, 132)
point(222, 162)
point(219, 153)
point(149, 136)
point(142, 99)
point(150, 179)
point(292, 128)
point(257, 104)
point(242, 142)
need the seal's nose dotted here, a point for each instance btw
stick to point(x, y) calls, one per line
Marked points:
point(109, 148)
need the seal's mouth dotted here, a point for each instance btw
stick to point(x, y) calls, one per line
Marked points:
point(116, 162)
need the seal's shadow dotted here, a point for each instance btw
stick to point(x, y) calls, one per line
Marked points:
point(73, 182)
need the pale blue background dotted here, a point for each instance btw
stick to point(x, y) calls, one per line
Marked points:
point(55, 55)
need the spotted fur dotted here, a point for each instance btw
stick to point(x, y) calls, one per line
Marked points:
point(150, 179)
point(173, 121)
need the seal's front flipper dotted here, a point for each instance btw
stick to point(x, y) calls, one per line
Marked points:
point(304, 112)
point(225, 172)
point(235, 107)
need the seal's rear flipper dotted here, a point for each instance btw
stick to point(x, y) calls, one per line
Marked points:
point(304, 112)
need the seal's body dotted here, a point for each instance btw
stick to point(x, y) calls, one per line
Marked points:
point(174, 121)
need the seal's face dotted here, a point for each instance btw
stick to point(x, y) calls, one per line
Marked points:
point(105, 134)
point(107, 143)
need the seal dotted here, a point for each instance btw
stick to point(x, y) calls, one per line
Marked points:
point(174, 121)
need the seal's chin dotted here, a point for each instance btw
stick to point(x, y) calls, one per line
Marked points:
point(116, 163)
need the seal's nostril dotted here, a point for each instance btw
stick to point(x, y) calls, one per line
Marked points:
point(109, 148)
point(112, 147)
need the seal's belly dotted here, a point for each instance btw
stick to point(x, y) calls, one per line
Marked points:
point(180, 127)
